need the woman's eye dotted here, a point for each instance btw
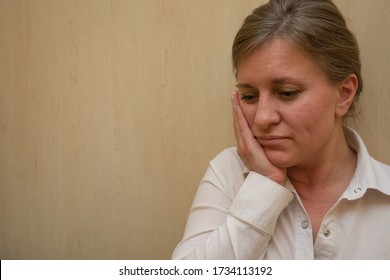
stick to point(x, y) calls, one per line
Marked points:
point(249, 98)
point(288, 94)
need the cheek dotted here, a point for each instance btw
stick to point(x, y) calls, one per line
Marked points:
point(317, 105)
point(310, 119)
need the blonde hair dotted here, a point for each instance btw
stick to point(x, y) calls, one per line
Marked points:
point(316, 26)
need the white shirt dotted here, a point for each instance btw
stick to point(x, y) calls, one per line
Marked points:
point(248, 216)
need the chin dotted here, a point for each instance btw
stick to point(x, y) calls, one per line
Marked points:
point(280, 159)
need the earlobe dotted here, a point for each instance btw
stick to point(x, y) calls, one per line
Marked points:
point(347, 92)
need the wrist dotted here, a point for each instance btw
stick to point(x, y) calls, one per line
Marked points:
point(281, 180)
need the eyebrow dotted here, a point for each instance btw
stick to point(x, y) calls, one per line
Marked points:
point(277, 81)
point(244, 86)
point(284, 80)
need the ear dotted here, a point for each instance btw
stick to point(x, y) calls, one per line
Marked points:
point(347, 91)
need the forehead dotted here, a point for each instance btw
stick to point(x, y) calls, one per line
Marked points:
point(276, 59)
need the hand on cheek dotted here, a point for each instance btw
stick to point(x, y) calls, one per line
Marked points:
point(249, 150)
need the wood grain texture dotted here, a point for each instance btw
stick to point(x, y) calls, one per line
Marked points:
point(111, 109)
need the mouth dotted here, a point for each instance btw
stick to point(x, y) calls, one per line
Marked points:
point(269, 141)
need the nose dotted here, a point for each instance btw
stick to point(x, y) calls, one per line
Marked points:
point(267, 113)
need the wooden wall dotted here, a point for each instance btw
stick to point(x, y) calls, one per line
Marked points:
point(111, 109)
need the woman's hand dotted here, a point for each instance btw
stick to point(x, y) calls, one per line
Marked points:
point(249, 150)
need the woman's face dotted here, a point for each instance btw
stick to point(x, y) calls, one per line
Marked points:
point(289, 105)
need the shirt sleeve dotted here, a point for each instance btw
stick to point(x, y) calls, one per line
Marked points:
point(228, 224)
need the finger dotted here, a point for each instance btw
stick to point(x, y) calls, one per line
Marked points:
point(237, 119)
point(241, 125)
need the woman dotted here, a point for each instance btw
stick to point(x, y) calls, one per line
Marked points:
point(300, 184)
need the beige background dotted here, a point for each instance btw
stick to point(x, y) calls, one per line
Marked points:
point(111, 109)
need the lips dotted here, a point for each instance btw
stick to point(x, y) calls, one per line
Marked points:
point(271, 140)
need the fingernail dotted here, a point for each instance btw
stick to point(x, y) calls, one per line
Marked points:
point(234, 94)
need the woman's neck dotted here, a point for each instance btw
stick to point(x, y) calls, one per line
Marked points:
point(336, 165)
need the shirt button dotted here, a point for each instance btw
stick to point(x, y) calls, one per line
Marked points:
point(305, 224)
point(327, 233)
point(357, 190)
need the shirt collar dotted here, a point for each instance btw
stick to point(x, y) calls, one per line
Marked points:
point(369, 173)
